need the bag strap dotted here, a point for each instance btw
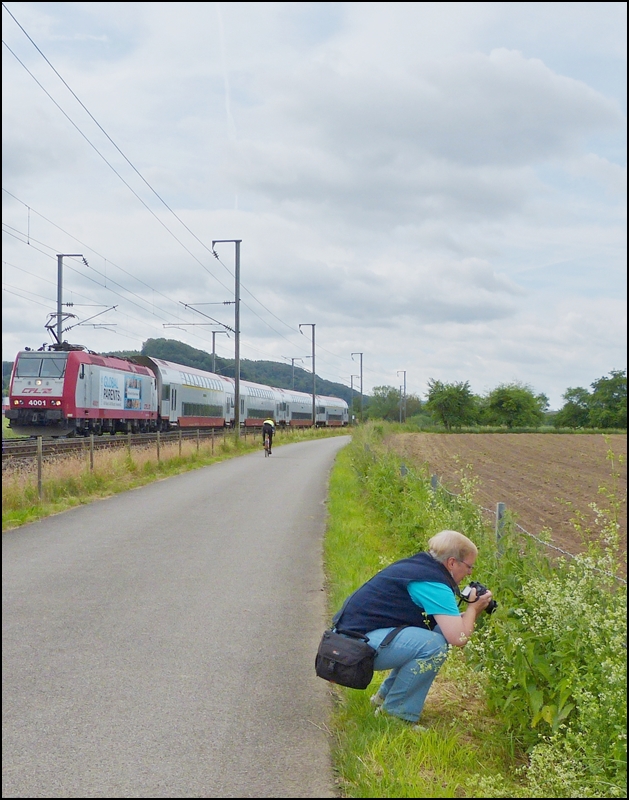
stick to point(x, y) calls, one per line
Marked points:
point(351, 634)
point(384, 643)
point(336, 619)
point(391, 636)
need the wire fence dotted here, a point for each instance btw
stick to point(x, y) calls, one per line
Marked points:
point(499, 515)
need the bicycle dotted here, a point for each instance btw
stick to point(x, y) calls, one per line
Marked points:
point(267, 445)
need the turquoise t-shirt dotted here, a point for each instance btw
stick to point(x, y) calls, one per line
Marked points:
point(434, 598)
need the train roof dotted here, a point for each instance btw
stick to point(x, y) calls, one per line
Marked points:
point(87, 357)
point(168, 367)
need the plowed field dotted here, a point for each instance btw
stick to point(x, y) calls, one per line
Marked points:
point(542, 478)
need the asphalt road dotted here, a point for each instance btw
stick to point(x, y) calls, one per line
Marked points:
point(161, 643)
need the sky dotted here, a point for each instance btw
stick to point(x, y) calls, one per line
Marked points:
point(435, 191)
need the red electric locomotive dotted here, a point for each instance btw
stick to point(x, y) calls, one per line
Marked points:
point(77, 392)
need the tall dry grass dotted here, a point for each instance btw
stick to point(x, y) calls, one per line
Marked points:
point(71, 480)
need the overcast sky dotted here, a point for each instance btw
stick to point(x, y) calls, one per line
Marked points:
point(438, 186)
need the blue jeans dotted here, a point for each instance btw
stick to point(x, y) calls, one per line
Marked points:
point(414, 658)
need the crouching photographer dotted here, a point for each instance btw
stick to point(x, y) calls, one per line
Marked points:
point(419, 595)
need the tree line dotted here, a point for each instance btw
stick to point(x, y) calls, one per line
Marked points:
point(510, 405)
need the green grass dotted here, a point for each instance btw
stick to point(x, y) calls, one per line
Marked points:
point(376, 757)
point(7, 433)
point(534, 706)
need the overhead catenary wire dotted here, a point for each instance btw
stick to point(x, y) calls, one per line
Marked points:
point(143, 179)
point(134, 168)
point(131, 189)
point(14, 232)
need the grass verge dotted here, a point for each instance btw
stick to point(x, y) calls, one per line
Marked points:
point(534, 706)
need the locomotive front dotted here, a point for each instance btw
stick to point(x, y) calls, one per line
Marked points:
point(36, 393)
point(68, 393)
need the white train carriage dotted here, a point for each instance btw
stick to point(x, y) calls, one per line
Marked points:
point(331, 412)
point(190, 397)
point(257, 403)
point(298, 413)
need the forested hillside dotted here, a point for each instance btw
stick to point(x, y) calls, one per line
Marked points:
point(270, 373)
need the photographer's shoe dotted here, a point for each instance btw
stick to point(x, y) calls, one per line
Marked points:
point(376, 700)
point(414, 726)
point(417, 728)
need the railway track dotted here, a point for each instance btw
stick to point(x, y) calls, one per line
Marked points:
point(14, 450)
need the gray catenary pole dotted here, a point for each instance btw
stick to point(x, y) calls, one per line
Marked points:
point(361, 383)
point(236, 331)
point(314, 374)
point(60, 257)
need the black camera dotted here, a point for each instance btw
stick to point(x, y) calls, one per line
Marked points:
point(480, 589)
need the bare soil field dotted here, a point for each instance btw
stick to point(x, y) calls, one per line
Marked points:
point(542, 478)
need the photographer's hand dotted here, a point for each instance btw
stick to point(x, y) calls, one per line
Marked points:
point(481, 602)
point(457, 630)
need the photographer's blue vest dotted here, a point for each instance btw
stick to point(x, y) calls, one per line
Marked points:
point(384, 601)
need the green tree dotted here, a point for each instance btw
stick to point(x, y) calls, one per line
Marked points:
point(608, 402)
point(575, 413)
point(515, 405)
point(452, 404)
point(384, 404)
point(414, 405)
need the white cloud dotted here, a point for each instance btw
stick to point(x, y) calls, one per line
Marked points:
point(439, 185)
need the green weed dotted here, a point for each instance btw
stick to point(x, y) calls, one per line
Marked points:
point(535, 706)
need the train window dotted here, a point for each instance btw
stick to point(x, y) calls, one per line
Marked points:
point(53, 367)
point(28, 367)
point(201, 410)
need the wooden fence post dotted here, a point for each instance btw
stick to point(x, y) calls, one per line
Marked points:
point(39, 467)
point(158, 452)
point(179, 442)
point(198, 435)
point(500, 522)
point(91, 452)
point(433, 489)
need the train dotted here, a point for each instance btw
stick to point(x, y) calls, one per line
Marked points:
point(71, 391)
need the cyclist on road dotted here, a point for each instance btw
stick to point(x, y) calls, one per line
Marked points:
point(268, 429)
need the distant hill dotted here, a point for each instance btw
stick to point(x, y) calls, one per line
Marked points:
point(270, 373)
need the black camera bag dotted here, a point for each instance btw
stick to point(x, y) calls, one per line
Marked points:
point(347, 658)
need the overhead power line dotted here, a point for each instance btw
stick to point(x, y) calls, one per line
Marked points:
point(142, 178)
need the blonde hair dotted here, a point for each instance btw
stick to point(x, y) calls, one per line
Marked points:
point(451, 544)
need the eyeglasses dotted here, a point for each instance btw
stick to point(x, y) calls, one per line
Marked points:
point(469, 566)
